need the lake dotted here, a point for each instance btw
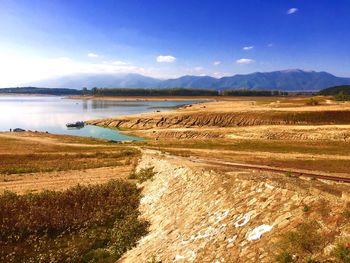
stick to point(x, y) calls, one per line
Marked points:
point(51, 114)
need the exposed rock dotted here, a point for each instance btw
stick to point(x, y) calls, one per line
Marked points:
point(198, 215)
point(225, 119)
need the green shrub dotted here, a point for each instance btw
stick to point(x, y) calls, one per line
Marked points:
point(284, 257)
point(303, 242)
point(306, 208)
point(346, 213)
point(342, 97)
point(342, 253)
point(143, 175)
point(82, 224)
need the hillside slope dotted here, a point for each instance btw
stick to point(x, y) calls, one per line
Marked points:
point(201, 215)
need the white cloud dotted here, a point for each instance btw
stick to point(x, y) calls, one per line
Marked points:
point(92, 55)
point(245, 61)
point(270, 45)
point(217, 63)
point(166, 59)
point(248, 48)
point(292, 10)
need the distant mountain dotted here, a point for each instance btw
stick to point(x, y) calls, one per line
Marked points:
point(285, 80)
point(204, 82)
point(98, 80)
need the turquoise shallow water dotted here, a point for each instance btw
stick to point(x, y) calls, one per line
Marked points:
point(51, 114)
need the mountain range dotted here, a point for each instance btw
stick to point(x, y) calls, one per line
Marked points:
point(284, 80)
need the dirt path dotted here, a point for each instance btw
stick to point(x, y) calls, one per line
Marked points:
point(336, 177)
point(275, 155)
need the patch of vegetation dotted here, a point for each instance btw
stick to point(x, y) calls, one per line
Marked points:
point(346, 213)
point(258, 93)
point(44, 162)
point(284, 257)
point(342, 97)
point(345, 89)
point(304, 242)
point(312, 102)
point(143, 175)
point(82, 224)
point(342, 253)
point(153, 92)
point(182, 92)
point(306, 208)
point(45, 91)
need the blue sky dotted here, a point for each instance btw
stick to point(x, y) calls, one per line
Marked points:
point(168, 38)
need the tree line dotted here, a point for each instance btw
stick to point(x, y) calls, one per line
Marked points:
point(179, 92)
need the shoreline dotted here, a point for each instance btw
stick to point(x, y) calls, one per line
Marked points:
point(143, 98)
point(177, 98)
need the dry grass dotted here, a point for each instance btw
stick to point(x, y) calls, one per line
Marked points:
point(45, 162)
point(32, 162)
point(326, 157)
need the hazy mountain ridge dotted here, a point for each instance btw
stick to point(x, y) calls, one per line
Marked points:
point(285, 80)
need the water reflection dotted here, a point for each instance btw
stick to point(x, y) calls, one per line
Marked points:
point(53, 113)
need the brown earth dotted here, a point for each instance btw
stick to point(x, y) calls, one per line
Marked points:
point(263, 132)
point(31, 162)
point(236, 113)
point(200, 213)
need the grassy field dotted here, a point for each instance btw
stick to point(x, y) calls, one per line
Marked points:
point(34, 161)
point(63, 161)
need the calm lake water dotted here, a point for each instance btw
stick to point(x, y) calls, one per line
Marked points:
point(53, 113)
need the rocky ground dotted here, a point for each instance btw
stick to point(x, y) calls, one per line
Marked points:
point(202, 214)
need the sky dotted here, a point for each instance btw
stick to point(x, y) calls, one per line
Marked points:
point(41, 39)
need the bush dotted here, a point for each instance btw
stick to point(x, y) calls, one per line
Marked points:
point(306, 208)
point(143, 175)
point(303, 242)
point(342, 253)
point(284, 257)
point(312, 102)
point(342, 97)
point(346, 213)
point(82, 224)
